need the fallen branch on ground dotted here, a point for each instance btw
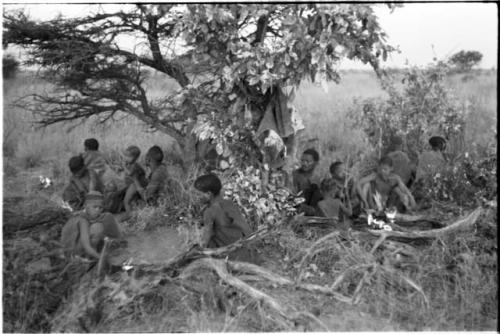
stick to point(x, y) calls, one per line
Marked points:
point(463, 223)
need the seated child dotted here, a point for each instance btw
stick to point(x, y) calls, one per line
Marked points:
point(84, 233)
point(81, 182)
point(388, 185)
point(157, 179)
point(302, 181)
point(133, 171)
point(223, 222)
point(93, 158)
point(331, 206)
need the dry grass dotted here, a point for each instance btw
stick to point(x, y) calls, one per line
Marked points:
point(458, 275)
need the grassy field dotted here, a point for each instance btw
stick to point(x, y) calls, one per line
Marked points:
point(458, 273)
point(324, 110)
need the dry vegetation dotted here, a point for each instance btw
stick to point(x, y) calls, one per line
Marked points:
point(445, 283)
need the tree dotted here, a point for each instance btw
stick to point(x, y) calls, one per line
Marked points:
point(464, 61)
point(226, 58)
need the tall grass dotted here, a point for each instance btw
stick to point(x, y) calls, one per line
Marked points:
point(325, 108)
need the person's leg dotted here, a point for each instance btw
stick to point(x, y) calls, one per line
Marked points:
point(129, 195)
point(96, 236)
point(367, 193)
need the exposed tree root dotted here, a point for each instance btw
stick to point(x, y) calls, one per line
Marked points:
point(463, 223)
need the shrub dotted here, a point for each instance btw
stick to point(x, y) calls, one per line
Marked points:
point(424, 107)
point(10, 67)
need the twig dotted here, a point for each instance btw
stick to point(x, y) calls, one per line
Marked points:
point(312, 250)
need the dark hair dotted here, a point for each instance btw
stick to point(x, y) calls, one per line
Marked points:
point(437, 142)
point(155, 153)
point(327, 185)
point(385, 161)
point(313, 153)
point(396, 141)
point(334, 166)
point(76, 164)
point(134, 151)
point(91, 144)
point(208, 183)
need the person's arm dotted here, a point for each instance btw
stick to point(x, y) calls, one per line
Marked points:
point(238, 219)
point(83, 225)
point(208, 228)
point(72, 197)
point(346, 210)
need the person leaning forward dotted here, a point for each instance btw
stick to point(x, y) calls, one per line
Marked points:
point(84, 233)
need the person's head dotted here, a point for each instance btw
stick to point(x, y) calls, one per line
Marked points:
point(77, 165)
point(131, 154)
point(437, 143)
point(397, 144)
point(91, 144)
point(94, 204)
point(154, 156)
point(385, 167)
point(309, 160)
point(337, 169)
point(329, 188)
point(209, 185)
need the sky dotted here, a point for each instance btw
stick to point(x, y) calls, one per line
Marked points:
point(421, 31)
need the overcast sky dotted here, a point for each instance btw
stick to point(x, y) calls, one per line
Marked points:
point(420, 30)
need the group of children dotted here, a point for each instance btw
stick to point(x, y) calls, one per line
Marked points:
point(336, 197)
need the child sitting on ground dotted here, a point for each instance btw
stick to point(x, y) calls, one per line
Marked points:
point(389, 186)
point(302, 182)
point(93, 158)
point(84, 233)
point(223, 222)
point(157, 178)
point(331, 206)
point(133, 171)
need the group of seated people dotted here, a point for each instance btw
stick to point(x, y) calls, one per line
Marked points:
point(387, 187)
point(94, 204)
point(223, 223)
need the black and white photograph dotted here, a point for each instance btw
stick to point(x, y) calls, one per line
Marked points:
point(249, 166)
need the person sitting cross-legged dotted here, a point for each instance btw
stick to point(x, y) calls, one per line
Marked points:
point(84, 233)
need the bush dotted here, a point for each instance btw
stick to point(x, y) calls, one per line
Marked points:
point(10, 67)
point(422, 108)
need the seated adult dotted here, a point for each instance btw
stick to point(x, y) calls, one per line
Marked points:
point(84, 232)
point(303, 182)
point(387, 187)
point(81, 182)
point(431, 162)
point(401, 163)
point(157, 179)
